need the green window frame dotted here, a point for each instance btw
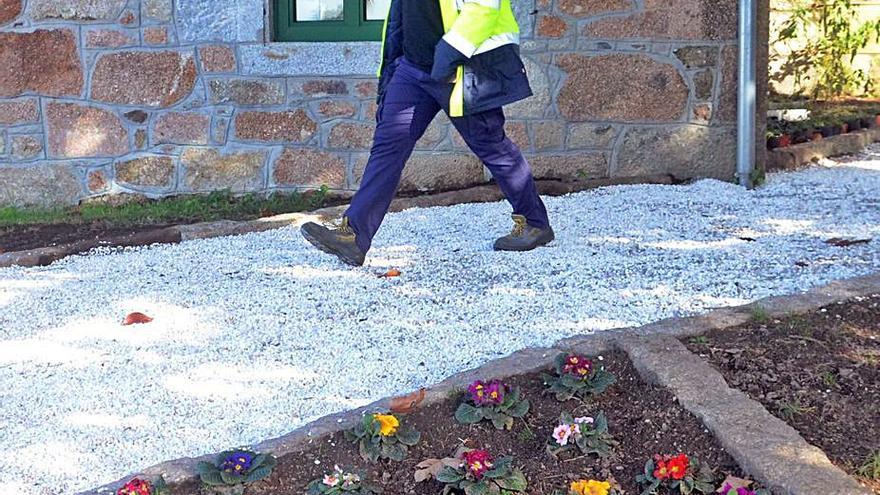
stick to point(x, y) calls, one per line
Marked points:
point(353, 27)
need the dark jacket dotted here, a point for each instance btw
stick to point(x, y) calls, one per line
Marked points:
point(491, 79)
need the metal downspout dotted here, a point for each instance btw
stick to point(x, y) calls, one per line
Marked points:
point(746, 99)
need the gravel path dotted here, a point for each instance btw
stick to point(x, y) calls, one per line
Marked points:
point(257, 334)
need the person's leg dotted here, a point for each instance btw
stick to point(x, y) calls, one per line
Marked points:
point(484, 134)
point(405, 114)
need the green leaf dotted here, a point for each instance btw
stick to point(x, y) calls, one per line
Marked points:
point(519, 409)
point(687, 486)
point(501, 422)
point(449, 475)
point(211, 478)
point(649, 469)
point(205, 467)
point(258, 474)
point(160, 487)
point(369, 450)
point(569, 381)
point(271, 461)
point(408, 435)
point(258, 461)
point(600, 423)
point(230, 479)
point(601, 381)
point(516, 481)
point(479, 488)
point(652, 488)
point(467, 414)
point(394, 451)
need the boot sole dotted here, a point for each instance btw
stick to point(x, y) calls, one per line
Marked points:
point(541, 242)
point(318, 243)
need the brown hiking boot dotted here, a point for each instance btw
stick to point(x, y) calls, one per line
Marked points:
point(339, 241)
point(524, 237)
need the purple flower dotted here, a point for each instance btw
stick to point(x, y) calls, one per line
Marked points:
point(727, 489)
point(237, 462)
point(487, 393)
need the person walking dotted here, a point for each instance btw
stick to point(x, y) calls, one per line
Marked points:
point(462, 57)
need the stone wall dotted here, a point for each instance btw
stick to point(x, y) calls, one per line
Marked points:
point(162, 97)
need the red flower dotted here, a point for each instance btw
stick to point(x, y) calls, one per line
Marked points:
point(577, 365)
point(661, 472)
point(669, 467)
point(136, 486)
point(678, 466)
point(477, 462)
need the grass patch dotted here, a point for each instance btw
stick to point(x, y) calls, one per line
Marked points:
point(789, 410)
point(194, 208)
point(760, 315)
point(871, 468)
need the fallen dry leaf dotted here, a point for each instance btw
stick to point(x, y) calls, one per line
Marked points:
point(839, 242)
point(430, 468)
point(136, 318)
point(394, 272)
point(408, 402)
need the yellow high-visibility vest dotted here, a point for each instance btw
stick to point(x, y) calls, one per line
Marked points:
point(472, 27)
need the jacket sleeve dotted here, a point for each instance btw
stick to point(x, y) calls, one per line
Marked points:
point(392, 48)
point(474, 25)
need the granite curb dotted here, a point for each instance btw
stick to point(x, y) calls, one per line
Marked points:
point(206, 230)
point(660, 358)
point(798, 155)
point(766, 448)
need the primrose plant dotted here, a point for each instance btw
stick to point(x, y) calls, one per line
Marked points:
point(340, 482)
point(587, 434)
point(234, 470)
point(140, 486)
point(577, 376)
point(678, 474)
point(494, 401)
point(382, 436)
point(591, 487)
point(480, 474)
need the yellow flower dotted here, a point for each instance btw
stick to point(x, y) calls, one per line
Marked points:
point(387, 424)
point(590, 487)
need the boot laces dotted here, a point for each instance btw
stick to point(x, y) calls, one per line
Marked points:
point(342, 227)
point(519, 226)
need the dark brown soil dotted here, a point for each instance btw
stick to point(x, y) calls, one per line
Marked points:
point(819, 372)
point(23, 237)
point(645, 420)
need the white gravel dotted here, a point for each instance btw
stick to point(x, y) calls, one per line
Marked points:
point(257, 334)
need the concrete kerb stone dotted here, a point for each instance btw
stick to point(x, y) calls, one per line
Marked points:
point(763, 445)
point(796, 156)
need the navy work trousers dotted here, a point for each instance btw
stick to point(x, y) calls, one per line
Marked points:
point(411, 101)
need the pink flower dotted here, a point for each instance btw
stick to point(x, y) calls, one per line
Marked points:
point(561, 434)
point(331, 479)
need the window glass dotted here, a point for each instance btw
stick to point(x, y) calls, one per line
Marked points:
point(319, 10)
point(377, 9)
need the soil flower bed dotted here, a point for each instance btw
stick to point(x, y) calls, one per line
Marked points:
point(642, 419)
point(819, 372)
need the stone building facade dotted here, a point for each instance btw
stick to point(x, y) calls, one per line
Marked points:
point(163, 97)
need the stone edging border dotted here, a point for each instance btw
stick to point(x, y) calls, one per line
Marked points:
point(793, 157)
point(769, 450)
point(205, 230)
